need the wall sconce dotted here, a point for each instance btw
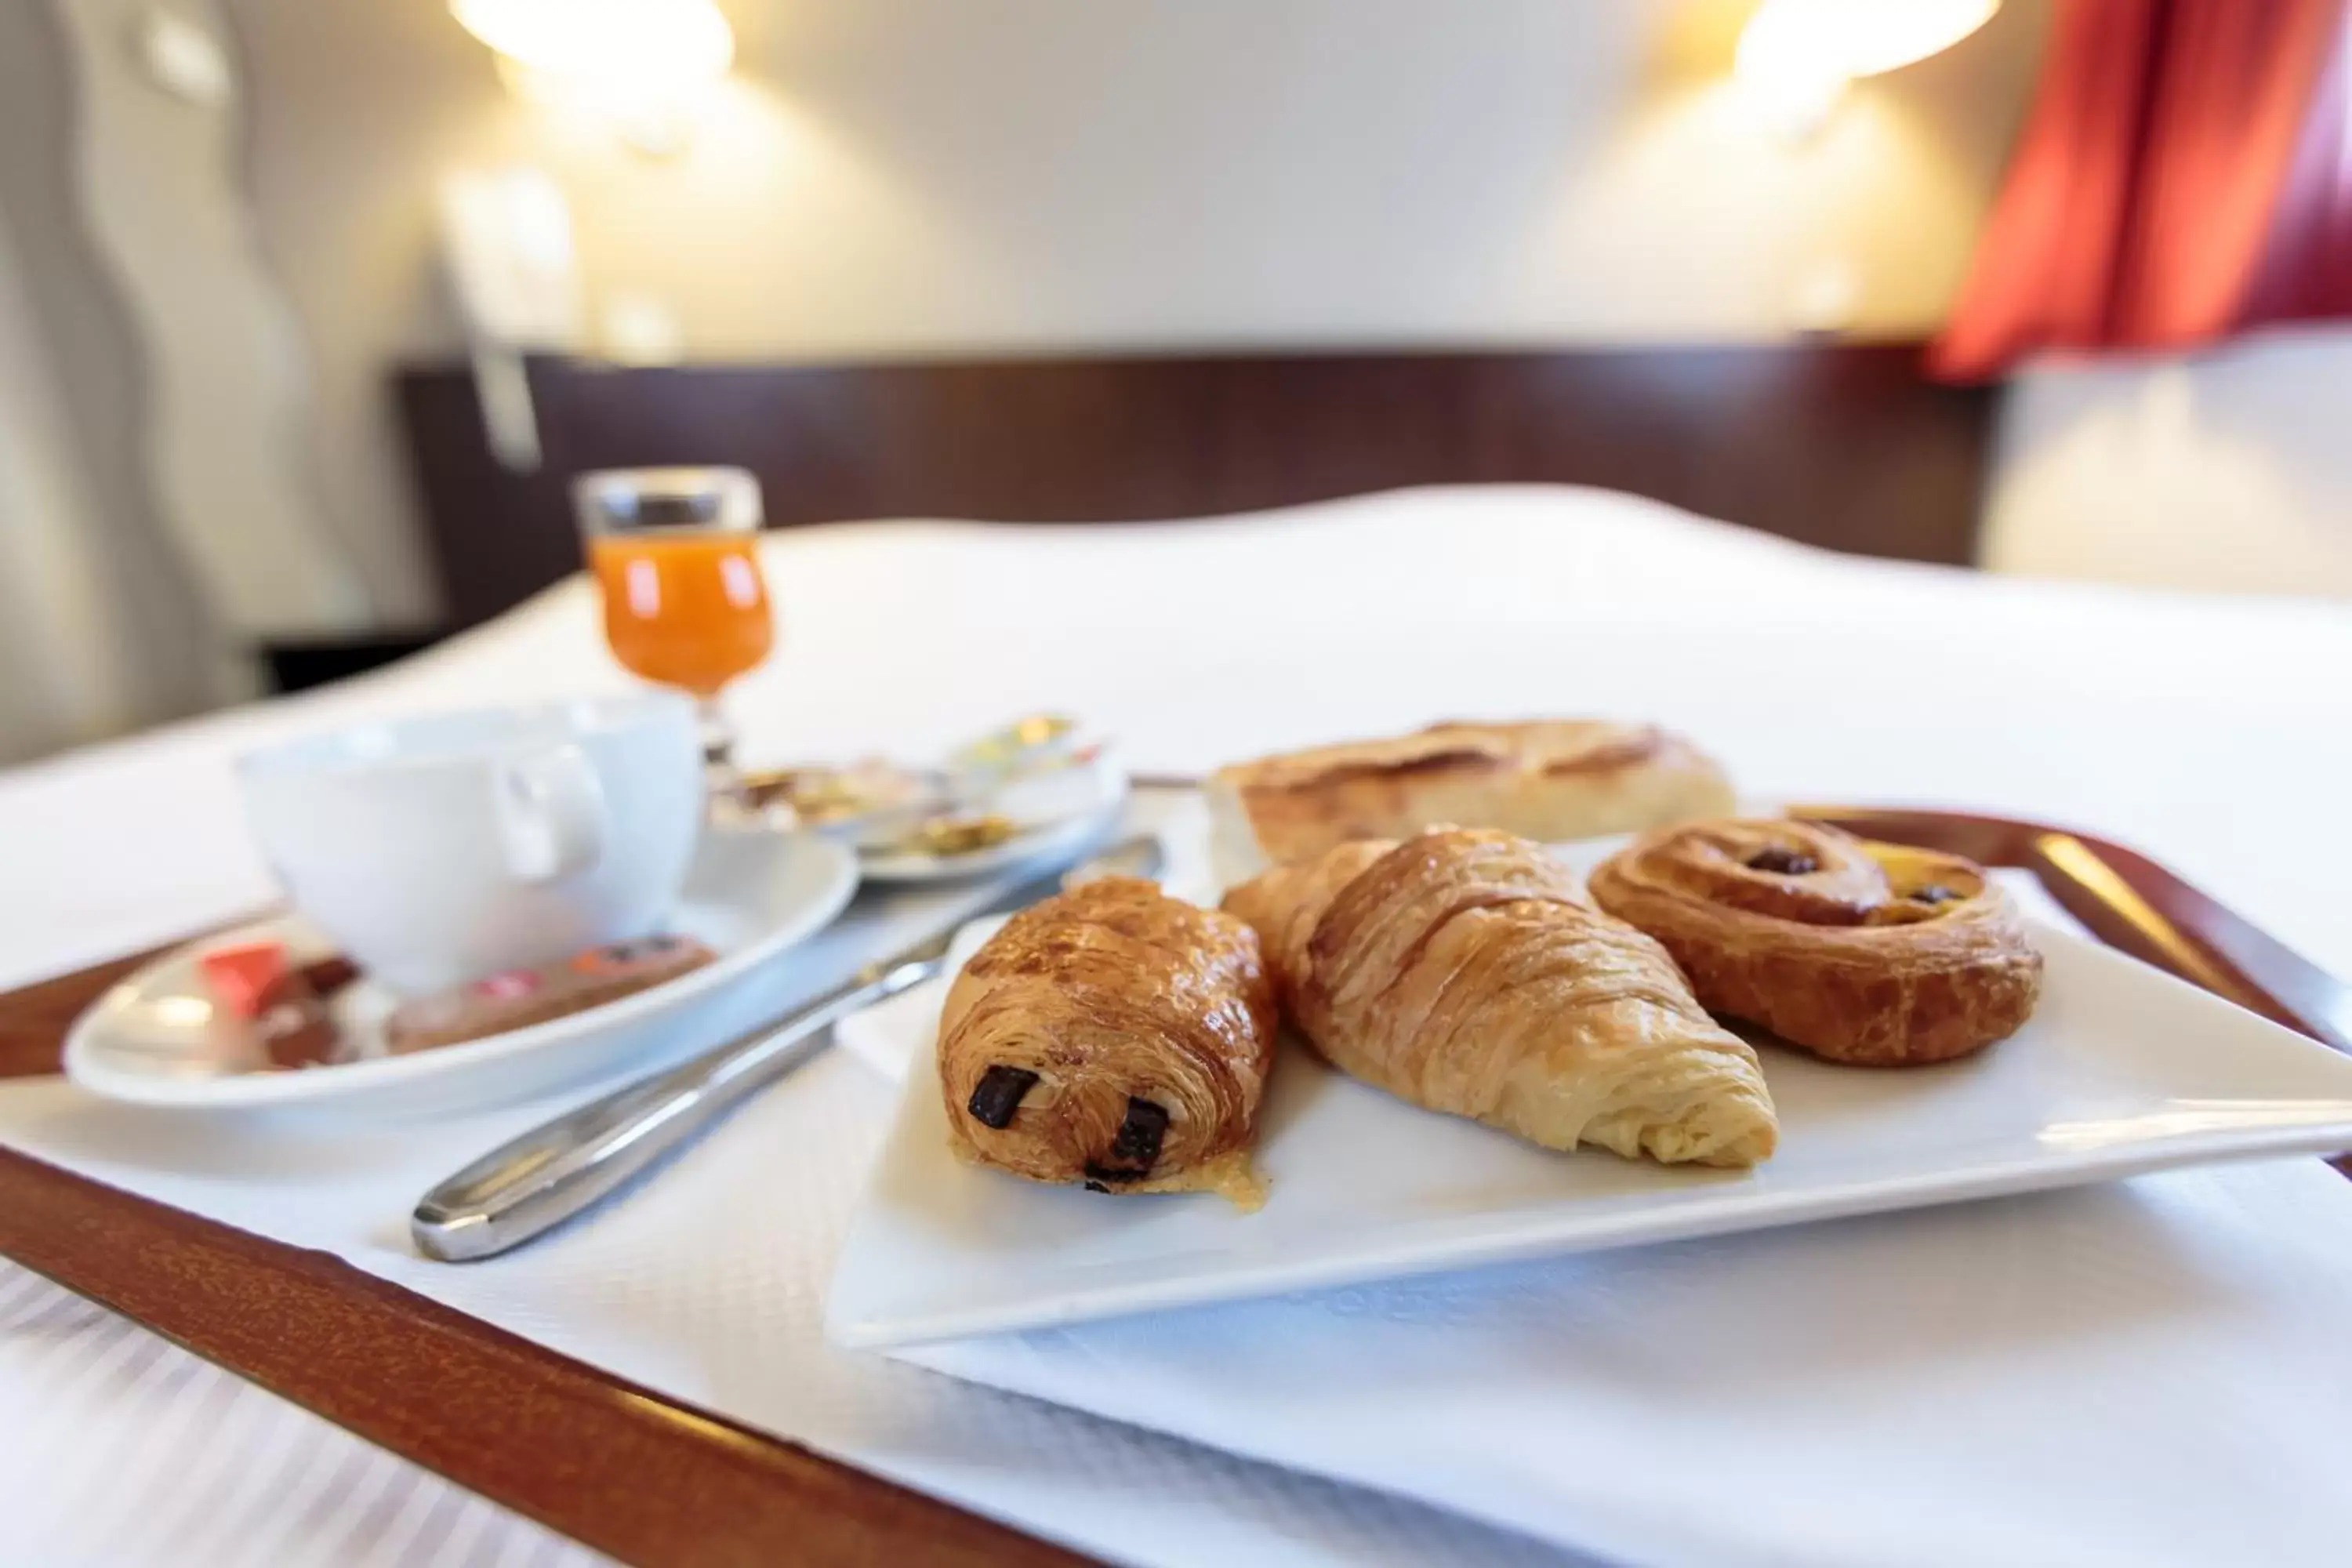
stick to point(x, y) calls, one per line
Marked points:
point(643, 64)
point(1797, 57)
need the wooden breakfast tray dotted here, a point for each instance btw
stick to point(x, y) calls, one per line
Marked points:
point(653, 1480)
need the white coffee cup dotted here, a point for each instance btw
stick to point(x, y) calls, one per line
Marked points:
point(437, 850)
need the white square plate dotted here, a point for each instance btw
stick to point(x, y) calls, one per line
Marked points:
point(2122, 1069)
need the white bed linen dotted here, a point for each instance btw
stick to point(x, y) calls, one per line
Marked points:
point(2212, 732)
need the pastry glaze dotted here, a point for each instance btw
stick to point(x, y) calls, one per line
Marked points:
point(1113, 996)
point(1875, 954)
point(1460, 970)
point(1548, 780)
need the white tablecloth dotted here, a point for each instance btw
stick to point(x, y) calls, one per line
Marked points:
point(2213, 733)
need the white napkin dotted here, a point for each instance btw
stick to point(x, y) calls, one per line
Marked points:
point(2151, 1372)
point(2144, 1373)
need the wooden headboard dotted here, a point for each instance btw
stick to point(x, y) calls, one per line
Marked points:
point(1839, 445)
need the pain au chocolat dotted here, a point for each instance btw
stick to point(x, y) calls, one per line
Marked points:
point(1116, 1037)
point(1547, 780)
point(1461, 970)
point(1877, 954)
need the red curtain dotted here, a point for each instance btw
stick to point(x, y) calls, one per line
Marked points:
point(2184, 172)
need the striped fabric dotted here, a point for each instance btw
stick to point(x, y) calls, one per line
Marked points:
point(118, 1449)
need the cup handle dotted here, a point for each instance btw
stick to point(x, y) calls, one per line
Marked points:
point(551, 814)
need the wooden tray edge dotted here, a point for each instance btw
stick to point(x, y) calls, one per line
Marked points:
point(614, 1464)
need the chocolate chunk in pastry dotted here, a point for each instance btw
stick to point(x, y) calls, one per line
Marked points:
point(1547, 780)
point(1875, 954)
point(1115, 1038)
point(1139, 1136)
point(1137, 1147)
point(999, 1095)
point(1460, 970)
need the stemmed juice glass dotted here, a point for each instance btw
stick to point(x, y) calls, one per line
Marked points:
point(676, 552)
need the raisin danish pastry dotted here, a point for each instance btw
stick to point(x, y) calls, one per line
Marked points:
point(1461, 970)
point(1877, 954)
point(1116, 1037)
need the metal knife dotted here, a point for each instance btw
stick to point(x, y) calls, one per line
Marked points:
point(522, 1189)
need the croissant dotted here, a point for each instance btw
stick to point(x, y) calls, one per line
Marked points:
point(1116, 1037)
point(1875, 954)
point(1461, 971)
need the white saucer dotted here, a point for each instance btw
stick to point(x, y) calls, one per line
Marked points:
point(1060, 838)
point(749, 895)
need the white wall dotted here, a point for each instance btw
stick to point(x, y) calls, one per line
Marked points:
point(224, 444)
point(939, 176)
point(75, 475)
point(2231, 470)
point(64, 644)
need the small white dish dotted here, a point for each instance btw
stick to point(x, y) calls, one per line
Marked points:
point(1059, 838)
point(749, 895)
point(2122, 1070)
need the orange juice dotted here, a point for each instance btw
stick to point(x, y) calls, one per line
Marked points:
point(687, 609)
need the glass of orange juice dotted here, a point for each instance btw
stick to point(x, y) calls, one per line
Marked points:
point(675, 551)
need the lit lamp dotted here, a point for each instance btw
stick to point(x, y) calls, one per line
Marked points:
point(642, 63)
point(1798, 55)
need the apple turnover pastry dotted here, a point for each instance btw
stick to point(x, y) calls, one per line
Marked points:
point(1877, 954)
point(1547, 779)
point(1115, 1036)
point(1461, 970)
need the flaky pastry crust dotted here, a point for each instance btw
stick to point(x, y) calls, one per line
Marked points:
point(1461, 971)
point(1548, 780)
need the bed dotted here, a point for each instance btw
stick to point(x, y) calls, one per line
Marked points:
point(2213, 733)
